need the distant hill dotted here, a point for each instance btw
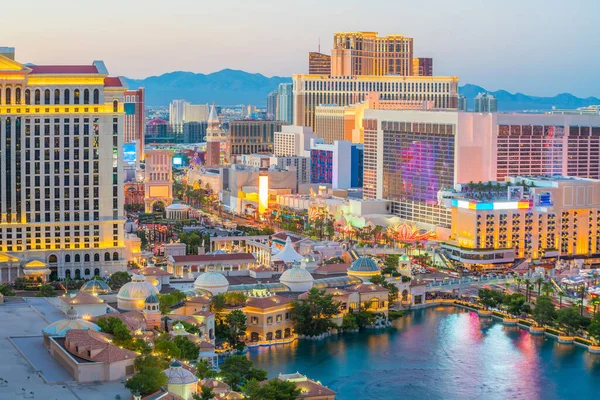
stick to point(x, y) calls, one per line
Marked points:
point(227, 87)
point(521, 102)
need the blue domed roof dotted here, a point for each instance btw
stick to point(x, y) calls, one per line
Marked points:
point(152, 299)
point(364, 264)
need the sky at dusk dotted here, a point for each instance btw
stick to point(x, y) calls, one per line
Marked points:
point(537, 47)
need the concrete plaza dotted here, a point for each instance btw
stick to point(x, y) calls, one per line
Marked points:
point(26, 364)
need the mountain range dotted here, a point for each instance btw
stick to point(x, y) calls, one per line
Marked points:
point(229, 87)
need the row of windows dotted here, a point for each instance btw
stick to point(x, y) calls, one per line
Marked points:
point(58, 98)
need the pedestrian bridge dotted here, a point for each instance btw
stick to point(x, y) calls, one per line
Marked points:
point(466, 282)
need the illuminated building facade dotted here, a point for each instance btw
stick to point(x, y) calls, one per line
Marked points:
point(411, 155)
point(319, 63)
point(534, 217)
point(365, 53)
point(311, 91)
point(339, 164)
point(250, 136)
point(61, 143)
point(135, 120)
point(345, 122)
point(422, 66)
point(158, 182)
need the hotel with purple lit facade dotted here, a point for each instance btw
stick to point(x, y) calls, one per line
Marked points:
point(409, 156)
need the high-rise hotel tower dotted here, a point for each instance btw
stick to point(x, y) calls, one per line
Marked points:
point(61, 142)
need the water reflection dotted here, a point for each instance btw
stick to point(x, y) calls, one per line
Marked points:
point(441, 354)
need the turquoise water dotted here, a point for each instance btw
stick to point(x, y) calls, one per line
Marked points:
point(441, 353)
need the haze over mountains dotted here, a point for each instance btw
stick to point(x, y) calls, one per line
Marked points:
point(230, 87)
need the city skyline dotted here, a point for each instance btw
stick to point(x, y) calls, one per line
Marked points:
point(181, 40)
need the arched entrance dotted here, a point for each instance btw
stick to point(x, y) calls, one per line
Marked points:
point(254, 337)
point(278, 334)
point(270, 336)
point(158, 207)
point(286, 333)
point(77, 273)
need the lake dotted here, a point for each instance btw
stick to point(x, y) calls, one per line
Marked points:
point(440, 353)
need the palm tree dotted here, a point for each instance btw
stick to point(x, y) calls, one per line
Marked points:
point(530, 290)
point(581, 291)
point(547, 288)
point(560, 296)
point(539, 282)
point(527, 283)
point(518, 281)
point(507, 285)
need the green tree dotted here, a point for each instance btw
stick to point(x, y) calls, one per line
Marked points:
point(190, 328)
point(203, 370)
point(187, 349)
point(312, 316)
point(515, 303)
point(237, 369)
point(594, 329)
point(46, 291)
point(490, 298)
point(5, 290)
point(235, 299)
point(205, 393)
point(217, 304)
point(539, 282)
point(166, 301)
point(118, 279)
point(115, 327)
point(151, 361)
point(163, 345)
point(547, 288)
point(235, 323)
point(147, 381)
point(528, 286)
point(349, 322)
point(544, 311)
point(274, 389)
point(569, 319)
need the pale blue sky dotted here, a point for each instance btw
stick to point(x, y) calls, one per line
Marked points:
point(538, 47)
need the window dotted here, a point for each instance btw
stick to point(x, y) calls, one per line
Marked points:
point(76, 96)
point(96, 257)
point(115, 256)
point(47, 96)
point(37, 96)
point(18, 96)
point(107, 256)
point(96, 96)
point(86, 272)
point(27, 96)
point(67, 96)
point(68, 258)
point(56, 96)
point(8, 97)
point(86, 258)
point(115, 106)
point(86, 96)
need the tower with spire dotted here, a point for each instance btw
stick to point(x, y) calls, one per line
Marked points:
point(214, 139)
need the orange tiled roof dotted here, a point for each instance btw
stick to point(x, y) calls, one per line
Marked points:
point(267, 302)
point(81, 298)
point(79, 342)
point(366, 288)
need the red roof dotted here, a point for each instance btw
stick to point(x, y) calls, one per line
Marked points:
point(214, 257)
point(63, 69)
point(111, 81)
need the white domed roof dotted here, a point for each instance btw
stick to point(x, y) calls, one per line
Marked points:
point(210, 280)
point(137, 289)
point(176, 374)
point(295, 275)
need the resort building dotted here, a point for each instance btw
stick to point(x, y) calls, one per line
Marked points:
point(409, 156)
point(135, 120)
point(319, 63)
point(253, 136)
point(196, 311)
point(422, 66)
point(158, 180)
point(365, 53)
point(89, 356)
point(61, 203)
point(285, 103)
point(62, 326)
point(216, 141)
point(339, 164)
point(528, 217)
point(267, 316)
point(292, 140)
point(311, 91)
point(183, 265)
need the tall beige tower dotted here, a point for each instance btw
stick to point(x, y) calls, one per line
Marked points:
point(215, 139)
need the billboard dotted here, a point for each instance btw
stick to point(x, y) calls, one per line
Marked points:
point(129, 153)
